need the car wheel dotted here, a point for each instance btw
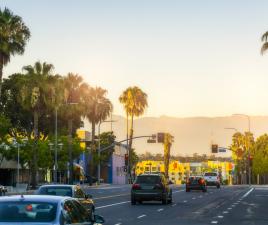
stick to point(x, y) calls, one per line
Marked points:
point(188, 189)
point(133, 201)
point(140, 202)
point(204, 190)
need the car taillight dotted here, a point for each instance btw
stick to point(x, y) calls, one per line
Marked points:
point(136, 186)
point(158, 186)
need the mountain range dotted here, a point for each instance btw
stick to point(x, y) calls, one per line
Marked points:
point(191, 135)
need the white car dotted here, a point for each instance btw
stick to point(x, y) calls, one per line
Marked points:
point(212, 179)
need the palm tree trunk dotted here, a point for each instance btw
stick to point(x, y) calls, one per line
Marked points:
point(130, 145)
point(93, 149)
point(35, 166)
point(1, 74)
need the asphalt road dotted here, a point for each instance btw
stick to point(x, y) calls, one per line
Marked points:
point(232, 205)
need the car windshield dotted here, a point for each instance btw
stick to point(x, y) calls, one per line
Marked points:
point(57, 191)
point(26, 211)
point(210, 174)
point(148, 179)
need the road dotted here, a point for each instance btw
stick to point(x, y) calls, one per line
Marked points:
point(232, 205)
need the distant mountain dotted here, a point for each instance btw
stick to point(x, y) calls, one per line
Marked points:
point(191, 135)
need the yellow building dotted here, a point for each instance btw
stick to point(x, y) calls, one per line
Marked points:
point(178, 172)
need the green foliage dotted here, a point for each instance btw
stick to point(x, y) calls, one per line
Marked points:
point(260, 160)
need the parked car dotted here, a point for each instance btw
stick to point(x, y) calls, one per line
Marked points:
point(90, 180)
point(45, 210)
point(149, 187)
point(212, 179)
point(73, 191)
point(196, 183)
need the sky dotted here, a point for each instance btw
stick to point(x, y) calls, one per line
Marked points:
point(192, 58)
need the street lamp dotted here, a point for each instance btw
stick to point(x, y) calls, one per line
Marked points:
point(99, 144)
point(55, 167)
point(18, 145)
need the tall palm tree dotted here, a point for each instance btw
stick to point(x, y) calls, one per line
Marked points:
point(74, 91)
point(98, 108)
point(33, 97)
point(135, 102)
point(13, 38)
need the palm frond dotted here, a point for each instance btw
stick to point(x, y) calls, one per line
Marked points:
point(264, 48)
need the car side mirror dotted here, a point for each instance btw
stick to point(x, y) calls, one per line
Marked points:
point(98, 219)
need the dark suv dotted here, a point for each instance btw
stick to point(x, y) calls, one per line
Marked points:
point(149, 187)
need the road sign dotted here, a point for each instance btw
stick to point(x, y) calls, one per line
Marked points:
point(222, 149)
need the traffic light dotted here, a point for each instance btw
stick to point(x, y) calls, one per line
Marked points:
point(214, 148)
point(126, 159)
point(160, 137)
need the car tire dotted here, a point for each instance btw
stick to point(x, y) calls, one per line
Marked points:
point(165, 199)
point(140, 202)
point(204, 190)
point(188, 189)
point(133, 201)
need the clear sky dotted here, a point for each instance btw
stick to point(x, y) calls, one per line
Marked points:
point(192, 58)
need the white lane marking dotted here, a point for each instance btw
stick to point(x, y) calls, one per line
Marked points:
point(110, 196)
point(185, 201)
point(225, 212)
point(118, 223)
point(214, 222)
point(220, 217)
point(173, 192)
point(139, 217)
point(159, 210)
point(193, 198)
point(174, 205)
point(119, 203)
point(229, 208)
point(245, 195)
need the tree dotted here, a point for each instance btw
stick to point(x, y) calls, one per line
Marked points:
point(14, 35)
point(33, 97)
point(264, 39)
point(134, 101)
point(98, 108)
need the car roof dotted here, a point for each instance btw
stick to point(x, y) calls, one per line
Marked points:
point(59, 185)
point(38, 198)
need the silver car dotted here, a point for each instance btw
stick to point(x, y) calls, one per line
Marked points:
point(44, 210)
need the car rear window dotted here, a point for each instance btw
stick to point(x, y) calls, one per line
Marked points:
point(21, 211)
point(148, 180)
point(210, 174)
point(57, 191)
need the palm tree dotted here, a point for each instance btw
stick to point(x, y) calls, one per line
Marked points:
point(264, 39)
point(98, 108)
point(74, 92)
point(33, 97)
point(135, 102)
point(13, 38)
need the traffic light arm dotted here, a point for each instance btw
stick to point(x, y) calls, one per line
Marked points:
point(119, 142)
